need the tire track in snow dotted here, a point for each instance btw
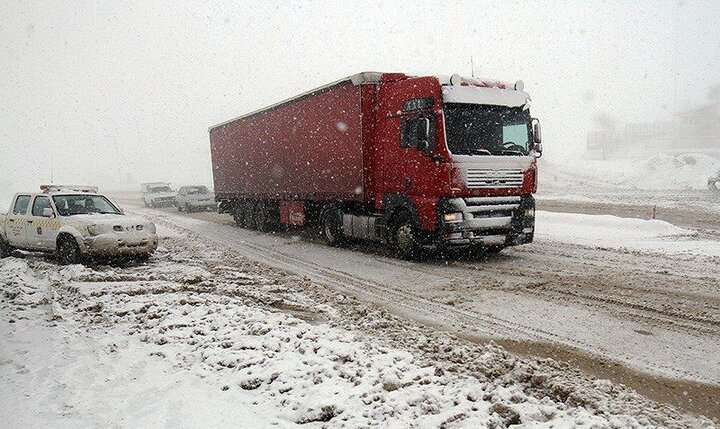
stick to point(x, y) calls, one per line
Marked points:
point(401, 301)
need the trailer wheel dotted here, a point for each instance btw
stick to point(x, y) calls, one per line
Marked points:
point(249, 215)
point(331, 223)
point(262, 217)
point(405, 237)
point(238, 214)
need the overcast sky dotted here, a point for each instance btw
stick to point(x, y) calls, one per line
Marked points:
point(124, 92)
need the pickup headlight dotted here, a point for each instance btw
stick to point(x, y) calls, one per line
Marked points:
point(453, 217)
point(94, 229)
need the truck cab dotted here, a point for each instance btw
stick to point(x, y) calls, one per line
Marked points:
point(75, 222)
point(465, 167)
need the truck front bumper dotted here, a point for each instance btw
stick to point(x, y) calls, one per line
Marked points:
point(121, 245)
point(486, 221)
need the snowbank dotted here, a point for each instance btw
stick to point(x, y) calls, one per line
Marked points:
point(661, 171)
point(606, 231)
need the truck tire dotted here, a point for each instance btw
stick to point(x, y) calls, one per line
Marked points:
point(249, 215)
point(68, 251)
point(239, 215)
point(331, 225)
point(188, 209)
point(263, 222)
point(5, 249)
point(405, 237)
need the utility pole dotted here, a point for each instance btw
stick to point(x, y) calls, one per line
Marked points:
point(472, 67)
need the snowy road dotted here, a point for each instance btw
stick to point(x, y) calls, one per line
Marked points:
point(651, 312)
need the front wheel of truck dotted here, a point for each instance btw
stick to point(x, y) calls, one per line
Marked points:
point(68, 251)
point(405, 237)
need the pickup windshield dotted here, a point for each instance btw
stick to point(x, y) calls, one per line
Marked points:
point(160, 189)
point(474, 129)
point(196, 190)
point(69, 205)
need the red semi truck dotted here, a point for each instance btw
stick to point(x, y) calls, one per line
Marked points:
point(415, 162)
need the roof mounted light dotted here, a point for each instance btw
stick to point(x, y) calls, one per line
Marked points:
point(456, 79)
point(519, 85)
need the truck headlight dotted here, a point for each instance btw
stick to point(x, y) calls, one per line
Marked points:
point(530, 212)
point(453, 217)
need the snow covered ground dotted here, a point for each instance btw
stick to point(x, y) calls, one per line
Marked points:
point(202, 336)
point(688, 171)
point(612, 232)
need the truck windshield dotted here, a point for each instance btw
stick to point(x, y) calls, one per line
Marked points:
point(474, 129)
point(160, 189)
point(69, 205)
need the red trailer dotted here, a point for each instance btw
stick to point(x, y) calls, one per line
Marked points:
point(416, 162)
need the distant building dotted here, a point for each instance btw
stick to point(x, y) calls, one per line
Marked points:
point(693, 130)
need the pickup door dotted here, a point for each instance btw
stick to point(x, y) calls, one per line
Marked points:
point(15, 221)
point(41, 231)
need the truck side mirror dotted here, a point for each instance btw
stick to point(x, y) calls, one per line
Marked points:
point(537, 131)
point(423, 134)
point(48, 212)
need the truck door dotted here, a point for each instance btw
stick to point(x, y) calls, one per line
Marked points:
point(15, 224)
point(406, 169)
point(41, 230)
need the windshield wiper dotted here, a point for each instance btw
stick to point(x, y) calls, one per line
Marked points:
point(511, 152)
point(480, 151)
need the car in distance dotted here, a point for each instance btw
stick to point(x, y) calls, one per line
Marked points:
point(195, 197)
point(75, 222)
point(157, 194)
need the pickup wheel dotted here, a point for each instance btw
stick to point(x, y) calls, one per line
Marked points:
point(68, 251)
point(405, 237)
point(188, 209)
point(5, 249)
point(331, 223)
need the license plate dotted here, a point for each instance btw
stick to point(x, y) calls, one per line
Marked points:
point(494, 239)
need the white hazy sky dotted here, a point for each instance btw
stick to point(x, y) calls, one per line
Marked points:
point(123, 92)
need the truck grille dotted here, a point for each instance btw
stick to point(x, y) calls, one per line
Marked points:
point(494, 178)
point(492, 212)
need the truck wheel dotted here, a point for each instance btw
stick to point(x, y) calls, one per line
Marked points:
point(68, 251)
point(405, 237)
point(262, 217)
point(238, 215)
point(331, 223)
point(188, 209)
point(5, 249)
point(249, 215)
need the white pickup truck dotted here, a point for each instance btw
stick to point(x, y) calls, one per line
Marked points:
point(76, 223)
